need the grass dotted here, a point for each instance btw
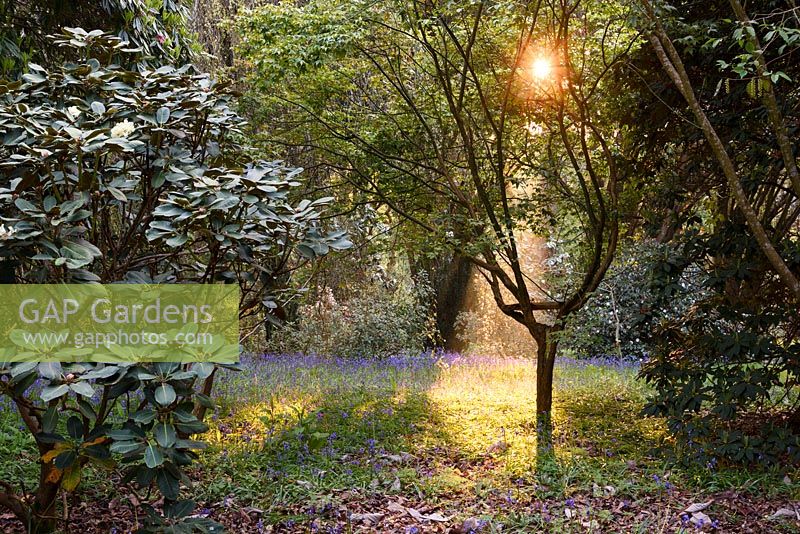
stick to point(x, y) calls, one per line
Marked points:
point(294, 433)
point(18, 457)
point(300, 443)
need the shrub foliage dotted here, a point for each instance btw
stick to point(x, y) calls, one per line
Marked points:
point(115, 174)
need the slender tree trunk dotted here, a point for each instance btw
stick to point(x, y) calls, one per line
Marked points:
point(545, 363)
point(546, 349)
point(208, 386)
point(770, 100)
point(673, 65)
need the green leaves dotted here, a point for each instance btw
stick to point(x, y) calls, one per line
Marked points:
point(65, 459)
point(82, 388)
point(50, 370)
point(168, 483)
point(165, 434)
point(71, 478)
point(75, 427)
point(34, 78)
point(125, 447)
point(152, 456)
point(165, 394)
point(202, 369)
point(144, 416)
point(162, 115)
point(107, 166)
point(54, 392)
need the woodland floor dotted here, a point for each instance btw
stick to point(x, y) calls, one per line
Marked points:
point(414, 445)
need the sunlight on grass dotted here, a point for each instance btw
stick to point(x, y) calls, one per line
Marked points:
point(483, 402)
point(469, 422)
point(487, 405)
point(294, 432)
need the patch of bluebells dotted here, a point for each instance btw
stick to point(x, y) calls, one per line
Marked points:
point(663, 483)
point(610, 361)
point(264, 376)
point(546, 512)
point(5, 404)
point(478, 527)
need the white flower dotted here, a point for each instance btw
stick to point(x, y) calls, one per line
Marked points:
point(74, 111)
point(449, 234)
point(6, 233)
point(122, 129)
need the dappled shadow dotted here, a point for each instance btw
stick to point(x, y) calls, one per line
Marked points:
point(598, 424)
point(317, 427)
point(317, 442)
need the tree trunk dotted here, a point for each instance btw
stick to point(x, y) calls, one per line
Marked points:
point(11, 502)
point(673, 65)
point(545, 362)
point(208, 385)
point(43, 511)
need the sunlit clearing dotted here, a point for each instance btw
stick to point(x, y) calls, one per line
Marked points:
point(541, 68)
